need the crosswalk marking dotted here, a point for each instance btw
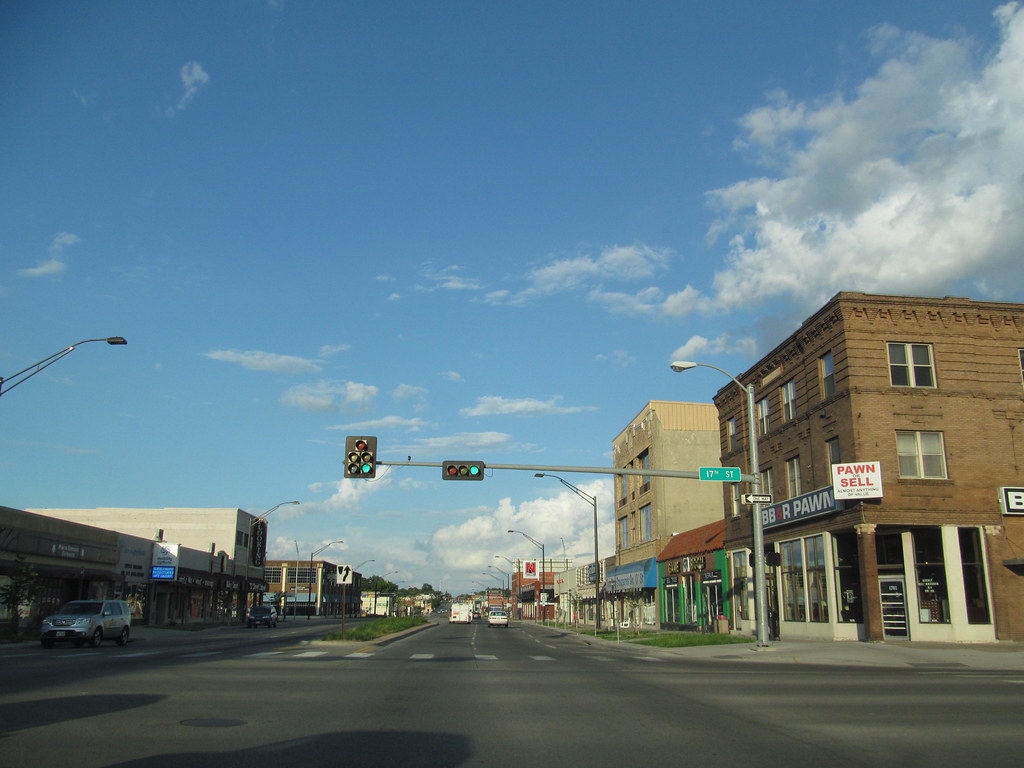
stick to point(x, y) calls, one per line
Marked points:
point(263, 654)
point(422, 656)
point(486, 657)
point(310, 654)
point(358, 655)
point(542, 658)
point(199, 654)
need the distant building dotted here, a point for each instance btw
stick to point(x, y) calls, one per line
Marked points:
point(224, 535)
point(650, 510)
point(923, 396)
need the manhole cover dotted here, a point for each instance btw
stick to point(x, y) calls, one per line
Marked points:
point(212, 722)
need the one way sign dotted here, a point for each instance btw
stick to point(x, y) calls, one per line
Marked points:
point(345, 574)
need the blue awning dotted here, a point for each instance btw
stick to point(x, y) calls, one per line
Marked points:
point(643, 574)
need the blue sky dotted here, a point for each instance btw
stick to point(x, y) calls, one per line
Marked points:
point(476, 230)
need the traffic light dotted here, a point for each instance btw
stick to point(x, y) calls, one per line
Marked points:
point(361, 457)
point(462, 470)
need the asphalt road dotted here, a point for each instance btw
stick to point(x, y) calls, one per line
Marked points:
point(458, 695)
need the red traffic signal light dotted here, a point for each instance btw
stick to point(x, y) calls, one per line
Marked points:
point(462, 470)
point(361, 457)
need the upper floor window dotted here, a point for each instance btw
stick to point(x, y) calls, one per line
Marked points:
point(832, 450)
point(1021, 365)
point(763, 416)
point(793, 476)
point(644, 460)
point(623, 532)
point(787, 393)
point(767, 485)
point(827, 375)
point(921, 454)
point(646, 523)
point(911, 365)
point(730, 434)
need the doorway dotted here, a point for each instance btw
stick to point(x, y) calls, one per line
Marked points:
point(893, 592)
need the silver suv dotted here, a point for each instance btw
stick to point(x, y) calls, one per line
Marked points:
point(92, 621)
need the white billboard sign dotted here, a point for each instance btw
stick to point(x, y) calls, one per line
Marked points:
point(860, 480)
point(1012, 501)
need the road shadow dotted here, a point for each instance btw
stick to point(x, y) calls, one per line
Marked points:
point(367, 749)
point(22, 715)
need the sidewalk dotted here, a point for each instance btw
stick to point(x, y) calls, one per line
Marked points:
point(941, 656)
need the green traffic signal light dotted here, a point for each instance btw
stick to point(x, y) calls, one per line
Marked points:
point(462, 470)
point(361, 457)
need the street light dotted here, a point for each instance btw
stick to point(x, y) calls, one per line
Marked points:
point(309, 594)
point(48, 361)
point(540, 595)
point(760, 587)
point(597, 559)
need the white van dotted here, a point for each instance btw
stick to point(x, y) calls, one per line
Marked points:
point(462, 613)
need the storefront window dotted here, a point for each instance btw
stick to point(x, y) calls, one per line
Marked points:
point(672, 603)
point(974, 576)
point(932, 595)
point(817, 589)
point(846, 561)
point(793, 601)
point(689, 599)
point(739, 584)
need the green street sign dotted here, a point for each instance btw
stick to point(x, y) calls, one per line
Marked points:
point(721, 474)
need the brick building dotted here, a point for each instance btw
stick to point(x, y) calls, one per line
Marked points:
point(933, 391)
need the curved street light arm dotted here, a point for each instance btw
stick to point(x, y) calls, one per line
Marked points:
point(46, 362)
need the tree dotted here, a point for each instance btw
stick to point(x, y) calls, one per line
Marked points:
point(20, 590)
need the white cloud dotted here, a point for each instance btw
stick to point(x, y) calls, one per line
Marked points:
point(698, 347)
point(387, 422)
point(55, 264)
point(470, 546)
point(524, 406)
point(617, 263)
point(451, 375)
point(327, 350)
point(193, 77)
point(909, 185)
point(329, 395)
point(463, 443)
point(265, 361)
point(450, 278)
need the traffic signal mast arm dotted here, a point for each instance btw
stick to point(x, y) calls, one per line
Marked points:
point(680, 473)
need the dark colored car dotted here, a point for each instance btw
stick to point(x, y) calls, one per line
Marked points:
point(262, 615)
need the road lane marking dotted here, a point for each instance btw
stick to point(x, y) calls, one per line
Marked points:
point(310, 654)
point(358, 655)
point(486, 657)
point(422, 656)
point(542, 658)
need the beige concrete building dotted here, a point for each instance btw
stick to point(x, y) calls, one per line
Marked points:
point(650, 510)
point(224, 536)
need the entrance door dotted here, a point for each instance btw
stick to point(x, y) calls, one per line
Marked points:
point(894, 607)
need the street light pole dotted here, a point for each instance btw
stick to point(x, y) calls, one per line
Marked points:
point(760, 587)
point(46, 362)
point(597, 559)
point(309, 594)
point(540, 595)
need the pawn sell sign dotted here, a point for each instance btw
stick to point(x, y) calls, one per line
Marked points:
point(859, 480)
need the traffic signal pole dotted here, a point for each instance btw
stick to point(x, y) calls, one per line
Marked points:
point(685, 474)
